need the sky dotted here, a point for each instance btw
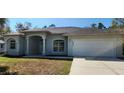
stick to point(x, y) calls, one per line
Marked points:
point(59, 22)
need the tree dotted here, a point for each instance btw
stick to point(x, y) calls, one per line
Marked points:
point(52, 25)
point(21, 26)
point(7, 30)
point(44, 27)
point(93, 25)
point(114, 24)
point(27, 25)
point(117, 23)
point(101, 26)
point(3, 25)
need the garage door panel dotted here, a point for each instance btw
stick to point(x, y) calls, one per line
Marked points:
point(94, 47)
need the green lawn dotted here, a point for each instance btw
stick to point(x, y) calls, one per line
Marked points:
point(34, 66)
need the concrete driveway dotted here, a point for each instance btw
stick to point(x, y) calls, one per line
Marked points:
point(81, 66)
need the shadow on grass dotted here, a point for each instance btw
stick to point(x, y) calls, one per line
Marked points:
point(4, 71)
point(47, 57)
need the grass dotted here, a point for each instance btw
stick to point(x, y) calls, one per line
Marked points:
point(34, 66)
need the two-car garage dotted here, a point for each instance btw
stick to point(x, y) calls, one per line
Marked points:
point(93, 47)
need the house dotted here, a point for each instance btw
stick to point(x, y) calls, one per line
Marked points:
point(66, 41)
point(2, 43)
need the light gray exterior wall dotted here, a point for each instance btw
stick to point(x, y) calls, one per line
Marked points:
point(49, 44)
point(21, 44)
point(8, 51)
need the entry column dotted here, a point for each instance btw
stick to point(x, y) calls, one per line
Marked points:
point(27, 46)
point(44, 45)
point(5, 47)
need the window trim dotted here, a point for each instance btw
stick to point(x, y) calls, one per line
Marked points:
point(53, 46)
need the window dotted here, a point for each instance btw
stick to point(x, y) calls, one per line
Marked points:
point(123, 49)
point(12, 44)
point(1, 46)
point(58, 46)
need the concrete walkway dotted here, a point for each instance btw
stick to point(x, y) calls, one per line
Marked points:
point(81, 66)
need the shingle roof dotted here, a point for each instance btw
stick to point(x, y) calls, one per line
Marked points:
point(91, 31)
point(14, 34)
point(55, 30)
point(66, 31)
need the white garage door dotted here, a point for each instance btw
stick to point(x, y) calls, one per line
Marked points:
point(94, 47)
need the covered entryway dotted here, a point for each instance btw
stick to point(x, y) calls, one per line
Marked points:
point(35, 45)
point(94, 47)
